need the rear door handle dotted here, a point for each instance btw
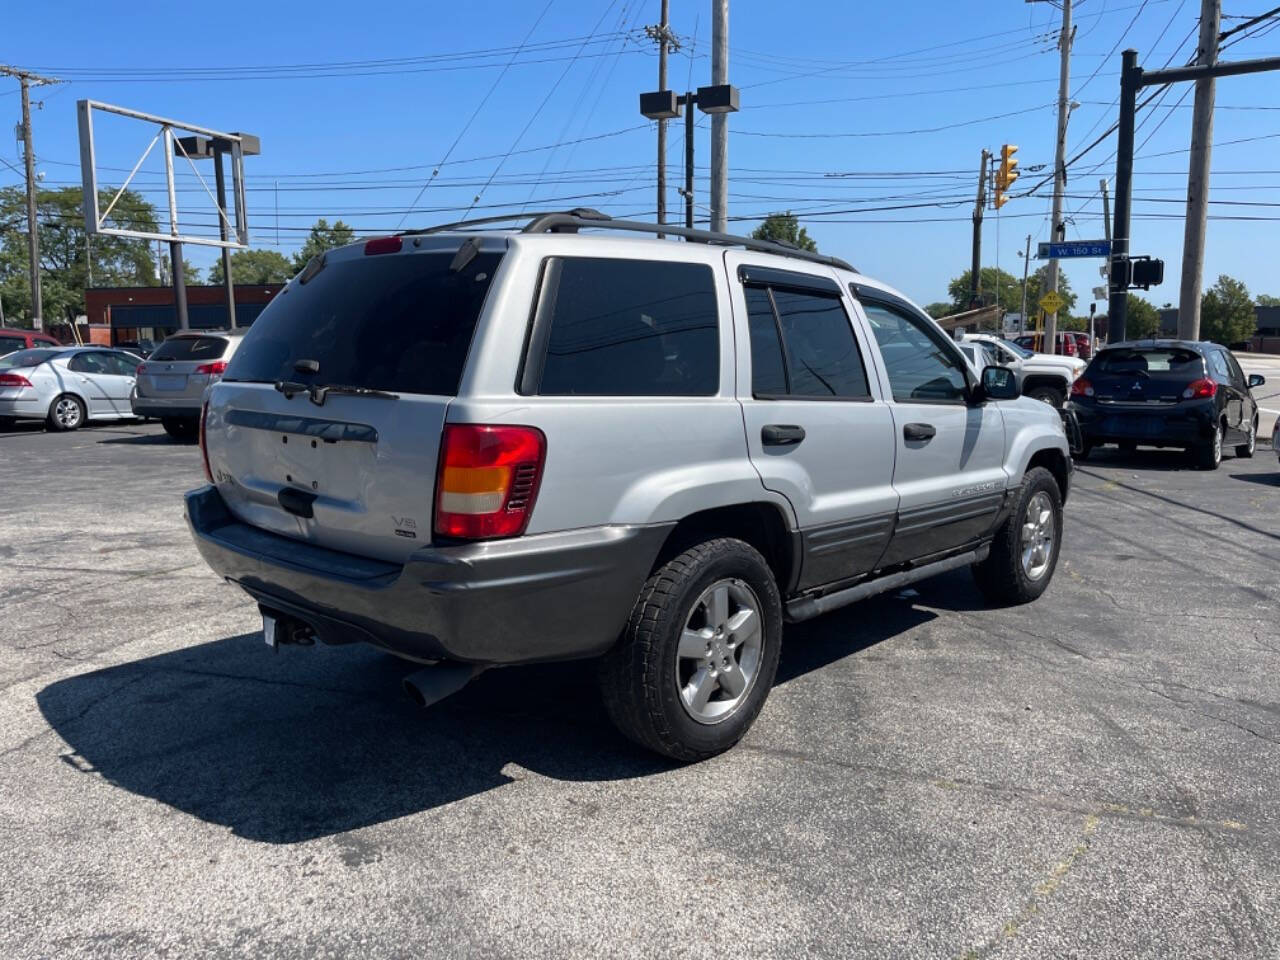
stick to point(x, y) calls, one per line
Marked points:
point(781, 434)
point(918, 431)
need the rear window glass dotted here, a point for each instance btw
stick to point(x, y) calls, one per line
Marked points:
point(401, 323)
point(191, 348)
point(635, 328)
point(1173, 362)
point(27, 358)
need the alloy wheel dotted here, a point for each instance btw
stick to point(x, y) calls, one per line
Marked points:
point(719, 654)
point(67, 412)
point(1038, 531)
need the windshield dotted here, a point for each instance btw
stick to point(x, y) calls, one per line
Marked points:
point(27, 358)
point(191, 348)
point(1169, 363)
point(1016, 350)
point(400, 323)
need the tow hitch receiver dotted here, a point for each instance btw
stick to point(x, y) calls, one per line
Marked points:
point(279, 628)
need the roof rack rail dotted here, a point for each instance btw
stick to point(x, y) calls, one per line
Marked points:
point(574, 219)
point(570, 221)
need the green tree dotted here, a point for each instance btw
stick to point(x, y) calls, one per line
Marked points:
point(1226, 312)
point(321, 238)
point(255, 267)
point(784, 227)
point(1142, 319)
point(64, 267)
point(1266, 300)
point(938, 310)
point(1038, 285)
point(993, 280)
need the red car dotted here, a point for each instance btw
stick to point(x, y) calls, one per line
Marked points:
point(11, 340)
point(1070, 343)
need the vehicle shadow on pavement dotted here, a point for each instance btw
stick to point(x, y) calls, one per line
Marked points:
point(152, 440)
point(1262, 479)
point(1140, 459)
point(311, 742)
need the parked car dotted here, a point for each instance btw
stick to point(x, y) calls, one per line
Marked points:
point(1042, 376)
point(12, 339)
point(1071, 343)
point(1167, 393)
point(141, 348)
point(172, 381)
point(482, 448)
point(66, 386)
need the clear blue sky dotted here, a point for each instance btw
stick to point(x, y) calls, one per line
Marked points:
point(357, 141)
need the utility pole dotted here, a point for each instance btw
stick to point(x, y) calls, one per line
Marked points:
point(1059, 165)
point(667, 43)
point(1198, 176)
point(719, 121)
point(26, 80)
point(1026, 264)
point(1106, 229)
point(176, 266)
point(975, 271)
point(220, 182)
point(687, 103)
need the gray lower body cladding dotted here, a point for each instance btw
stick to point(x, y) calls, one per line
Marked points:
point(552, 596)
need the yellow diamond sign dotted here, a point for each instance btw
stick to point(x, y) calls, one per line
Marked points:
point(1052, 302)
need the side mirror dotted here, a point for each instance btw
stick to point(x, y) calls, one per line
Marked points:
point(1256, 380)
point(999, 383)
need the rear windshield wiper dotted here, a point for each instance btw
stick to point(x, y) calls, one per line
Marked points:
point(318, 392)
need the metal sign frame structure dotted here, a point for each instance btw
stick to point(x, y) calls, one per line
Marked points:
point(94, 219)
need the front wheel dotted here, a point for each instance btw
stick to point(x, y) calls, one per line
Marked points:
point(1025, 550)
point(1246, 449)
point(1049, 395)
point(697, 658)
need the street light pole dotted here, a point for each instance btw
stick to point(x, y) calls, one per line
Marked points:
point(689, 99)
point(220, 184)
point(665, 105)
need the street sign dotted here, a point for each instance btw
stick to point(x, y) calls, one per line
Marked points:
point(1073, 248)
point(1051, 302)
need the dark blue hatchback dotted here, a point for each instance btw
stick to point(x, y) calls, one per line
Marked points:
point(1167, 393)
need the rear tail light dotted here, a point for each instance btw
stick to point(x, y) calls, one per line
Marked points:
point(1200, 389)
point(488, 480)
point(218, 367)
point(13, 380)
point(204, 445)
point(1081, 388)
point(382, 245)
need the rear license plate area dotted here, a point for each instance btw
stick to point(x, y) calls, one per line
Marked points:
point(171, 383)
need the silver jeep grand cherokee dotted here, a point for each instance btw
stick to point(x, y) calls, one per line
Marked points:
point(476, 448)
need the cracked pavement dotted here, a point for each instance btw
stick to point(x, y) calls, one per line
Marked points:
point(1096, 774)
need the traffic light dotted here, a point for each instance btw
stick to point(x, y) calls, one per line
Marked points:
point(1007, 173)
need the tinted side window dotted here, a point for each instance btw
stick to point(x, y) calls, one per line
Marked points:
point(920, 368)
point(88, 363)
point(1219, 364)
point(822, 356)
point(9, 344)
point(768, 373)
point(122, 364)
point(635, 328)
point(1236, 373)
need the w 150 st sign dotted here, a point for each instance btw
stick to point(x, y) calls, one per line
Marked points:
point(1073, 248)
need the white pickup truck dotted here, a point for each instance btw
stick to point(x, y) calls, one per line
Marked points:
point(1042, 376)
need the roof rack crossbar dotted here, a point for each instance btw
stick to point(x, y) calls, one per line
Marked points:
point(558, 222)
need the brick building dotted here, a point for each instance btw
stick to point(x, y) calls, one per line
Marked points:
point(128, 314)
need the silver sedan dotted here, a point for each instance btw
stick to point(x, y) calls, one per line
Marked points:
point(67, 386)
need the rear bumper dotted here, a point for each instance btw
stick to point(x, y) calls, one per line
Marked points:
point(165, 407)
point(1175, 425)
point(554, 596)
point(34, 408)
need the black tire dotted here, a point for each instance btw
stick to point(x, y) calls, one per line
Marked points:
point(639, 676)
point(1082, 454)
point(1002, 577)
point(67, 412)
point(1209, 455)
point(1245, 450)
point(1128, 447)
point(1050, 395)
point(180, 428)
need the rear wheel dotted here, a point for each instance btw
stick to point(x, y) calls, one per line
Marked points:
point(1251, 441)
point(180, 428)
point(1025, 550)
point(66, 413)
point(699, 653)
point(1209, 455)
point(1128, 446)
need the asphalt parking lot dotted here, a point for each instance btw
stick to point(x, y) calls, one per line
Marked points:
point(1096, 774)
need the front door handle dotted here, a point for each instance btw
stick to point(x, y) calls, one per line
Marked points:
point(781, 435)
point(918, 431)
